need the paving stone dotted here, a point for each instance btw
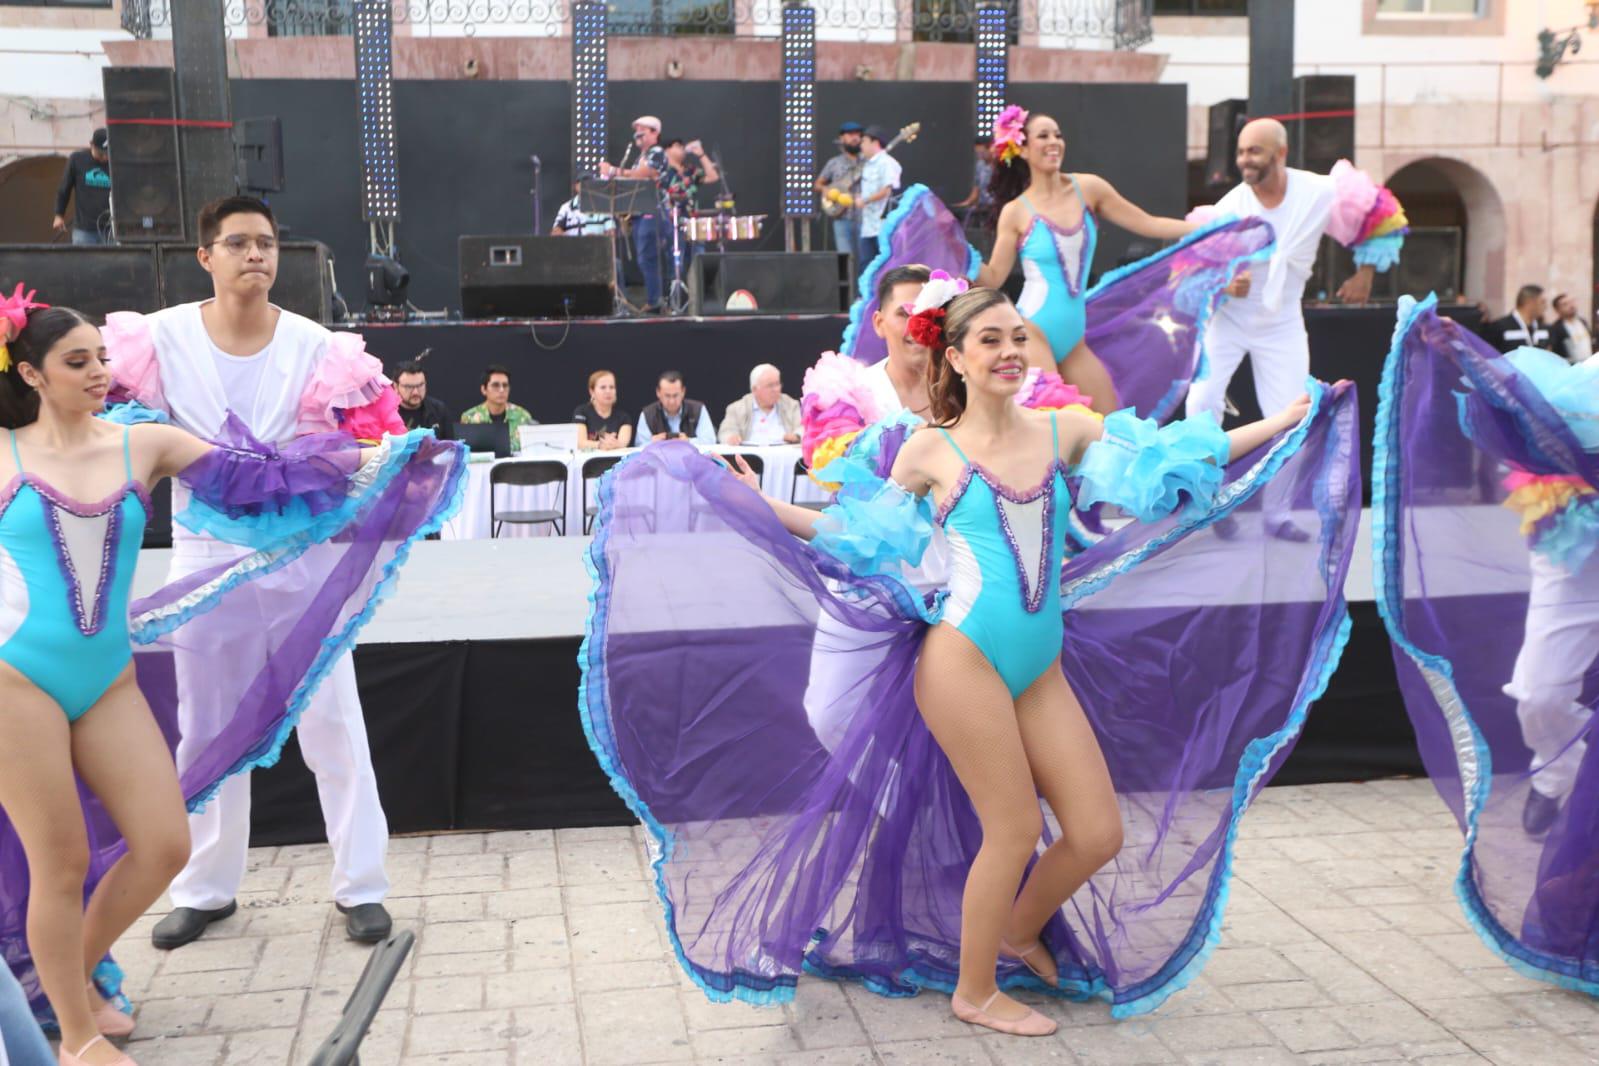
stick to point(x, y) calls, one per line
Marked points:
point(256, 1010)
point(959, 1051)
point(1307, 1030)
point(435, 1034)
point(644, 1025)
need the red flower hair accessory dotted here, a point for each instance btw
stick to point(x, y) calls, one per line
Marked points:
point(926, 328)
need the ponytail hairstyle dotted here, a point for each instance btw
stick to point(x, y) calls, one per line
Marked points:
point(19, 401)
point(945, 388)
point(1011, 174)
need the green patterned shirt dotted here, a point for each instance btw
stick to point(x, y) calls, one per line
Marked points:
point(515, 418)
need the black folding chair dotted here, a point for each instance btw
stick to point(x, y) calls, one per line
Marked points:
point(594, 468)
point(342, 1047)
point(528, 473)
point(802, 474)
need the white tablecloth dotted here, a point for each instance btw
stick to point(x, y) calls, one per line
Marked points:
point(777, 480)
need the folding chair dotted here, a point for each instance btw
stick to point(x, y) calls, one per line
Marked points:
point(342, 1047)
point(528, 473)
point(802, 474)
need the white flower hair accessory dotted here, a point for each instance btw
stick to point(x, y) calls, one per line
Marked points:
point(940, 289)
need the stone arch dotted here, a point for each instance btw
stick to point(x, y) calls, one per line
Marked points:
point(1440, 191)
point(28, 189)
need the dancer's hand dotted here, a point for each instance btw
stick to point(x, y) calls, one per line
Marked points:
point(1357, 290)
point(1239, 286)
point(743, 473)
point(1295, 412)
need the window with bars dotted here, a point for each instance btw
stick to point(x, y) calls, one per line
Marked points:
point(670, 18)
point(953, 21)
point(310, 18)
point(1458, 9)
point(1201, 7)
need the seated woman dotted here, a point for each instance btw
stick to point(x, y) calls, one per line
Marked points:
point(72, 519)
point(605, 425)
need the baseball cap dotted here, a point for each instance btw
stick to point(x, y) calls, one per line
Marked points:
point(100, 138)
point(851, 127)
point(879, 134)
point(650, 121)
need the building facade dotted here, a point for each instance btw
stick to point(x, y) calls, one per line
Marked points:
point(1450, 105)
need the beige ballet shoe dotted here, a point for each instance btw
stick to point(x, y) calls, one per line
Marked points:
point(1030, 1024)
point(107, 1019)
point(70, 1058)
point(1006, 949)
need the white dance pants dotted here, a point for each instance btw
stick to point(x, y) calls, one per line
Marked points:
point(1561, 642)
point(333, 741)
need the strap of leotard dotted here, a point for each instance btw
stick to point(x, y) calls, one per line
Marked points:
point(16, 456)
point(1079, 189)
point(1023, 198)
point(127, 458)
point(952, 444)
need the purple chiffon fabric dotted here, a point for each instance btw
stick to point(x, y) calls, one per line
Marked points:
point(1455, 575)
point(270, 623)
point(1195, 658)
point(1145, 321)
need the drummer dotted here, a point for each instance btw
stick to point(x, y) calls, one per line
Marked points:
point(688, 167)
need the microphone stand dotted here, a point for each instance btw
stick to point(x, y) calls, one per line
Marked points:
point(538, 223)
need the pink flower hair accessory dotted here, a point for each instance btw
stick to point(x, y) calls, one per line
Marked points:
point(1009, 133)
point(13, 319)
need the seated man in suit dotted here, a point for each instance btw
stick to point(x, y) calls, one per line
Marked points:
point(765, 415)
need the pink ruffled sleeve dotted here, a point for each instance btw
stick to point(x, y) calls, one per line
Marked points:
point(1366, 217)
point(837, 401)
point(349, 393)
point(135, 371)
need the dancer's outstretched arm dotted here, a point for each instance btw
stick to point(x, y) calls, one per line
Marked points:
point(1007, 234)
point(1112, 206)
point(1246, 439)
point(800, 521)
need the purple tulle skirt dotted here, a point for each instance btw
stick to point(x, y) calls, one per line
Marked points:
point(1496, 643)
point(1146, 320)
point(1195, 656)
point(270, 624)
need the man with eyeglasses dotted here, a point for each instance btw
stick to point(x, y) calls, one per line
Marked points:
point(284, 376)
point(418, 410)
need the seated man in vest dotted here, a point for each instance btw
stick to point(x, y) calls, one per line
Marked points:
point(673, 416)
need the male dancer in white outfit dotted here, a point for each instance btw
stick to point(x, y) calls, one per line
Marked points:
point(844, 659)
point(1561, 642)
point(239, 353)
point(1263, 319)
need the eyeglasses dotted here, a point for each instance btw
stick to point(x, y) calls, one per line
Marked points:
point(239, 244)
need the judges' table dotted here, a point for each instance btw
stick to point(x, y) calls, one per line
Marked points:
point(573, 491)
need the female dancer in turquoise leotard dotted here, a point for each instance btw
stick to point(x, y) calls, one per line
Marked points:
point(1051, 220)
point(988, 680)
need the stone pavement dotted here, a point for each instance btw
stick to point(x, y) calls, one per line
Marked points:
point(1343, 945)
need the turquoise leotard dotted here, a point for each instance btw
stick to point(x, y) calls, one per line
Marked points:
point(1055, 263)
point(1005, 551)
point(66, 569)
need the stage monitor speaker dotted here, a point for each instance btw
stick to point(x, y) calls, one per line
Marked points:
point(146, 190)
point(1317, 142)
point(303, 285)
point(259, 144)
point(516, 276)
point(1221, 150)
point(95, 280)
point(781, 283)
point(1430, 262)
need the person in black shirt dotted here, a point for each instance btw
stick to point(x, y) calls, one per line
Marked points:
point(605, 425)
point(87, 183)
point(418, 410)
point(1522, 328)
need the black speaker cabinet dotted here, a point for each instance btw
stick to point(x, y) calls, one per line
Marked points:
point(515, 276)
point(1318, 142)
point(304, 283)
point(1430, 262)
point(780, 282)
point(146, 193)
point(95, 279)
point(1221, 150)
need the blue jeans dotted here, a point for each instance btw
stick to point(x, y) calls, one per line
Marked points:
point(847, 237)
point(869, 251)
point(651, 239)
point(86, 236)
point(23, 1041)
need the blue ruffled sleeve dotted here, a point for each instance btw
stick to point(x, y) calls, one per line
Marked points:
point(1573, 391)
point(876, 533)
point(1147, 470)
point(134, 413)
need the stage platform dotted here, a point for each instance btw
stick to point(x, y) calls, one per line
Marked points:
point(469, 678)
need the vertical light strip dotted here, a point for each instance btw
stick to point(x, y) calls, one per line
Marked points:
point(374, 82)
point(799, 110)
point(588, 85)
point(992, 63)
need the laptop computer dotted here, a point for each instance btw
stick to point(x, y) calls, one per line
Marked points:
point(486, 437)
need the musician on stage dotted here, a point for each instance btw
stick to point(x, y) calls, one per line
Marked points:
point(572, 221)
point(879, 180)
point(688, 167)
point(840, 186)
point(646, 159)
